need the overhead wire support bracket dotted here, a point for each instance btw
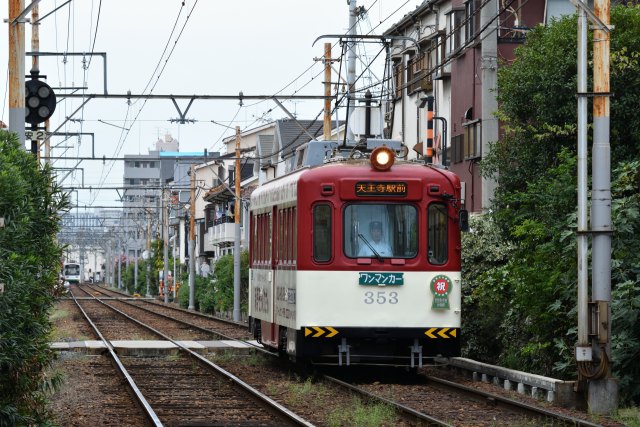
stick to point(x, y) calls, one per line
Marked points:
point(183, 119)
point(592, 16)
point(24, 13)
point(369, 37)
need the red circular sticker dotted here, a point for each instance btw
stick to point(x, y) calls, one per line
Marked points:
point(441, 285)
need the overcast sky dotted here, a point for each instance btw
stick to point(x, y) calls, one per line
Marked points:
point(255, 46)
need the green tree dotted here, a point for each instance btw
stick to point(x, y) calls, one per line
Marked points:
point(30, 261)
point(534, 208)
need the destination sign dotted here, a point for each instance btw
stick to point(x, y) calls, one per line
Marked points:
point(381, 188)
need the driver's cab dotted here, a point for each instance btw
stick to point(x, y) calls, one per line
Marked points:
point(383, 230)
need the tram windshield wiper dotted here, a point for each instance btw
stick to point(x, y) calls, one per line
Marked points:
point(364, 239)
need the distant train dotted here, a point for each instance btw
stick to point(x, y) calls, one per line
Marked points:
point(358, 261)
point(71, 272)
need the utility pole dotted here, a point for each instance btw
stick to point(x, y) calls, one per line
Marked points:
point(593, 350)
point(165, 239)
point(489, 103)
point(236, 243)
point(148, 258)
point(603, 391)
point(327, 91)
point(135, 271)
point(351, 67)
point(35, 68)
point(192, 241)
point(583, 349)
point(109, 279)
point(16, 70)
point(119, 247)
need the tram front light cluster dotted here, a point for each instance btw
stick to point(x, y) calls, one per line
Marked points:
point(382, 158)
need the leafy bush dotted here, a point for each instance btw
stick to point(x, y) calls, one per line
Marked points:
point(215, 294)
point(30, 261)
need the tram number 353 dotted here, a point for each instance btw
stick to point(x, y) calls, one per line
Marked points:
point(380, 297)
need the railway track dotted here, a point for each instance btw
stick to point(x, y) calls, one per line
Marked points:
point(225, 329)
point(416, 400)
point(422, 395)
point(187, 389)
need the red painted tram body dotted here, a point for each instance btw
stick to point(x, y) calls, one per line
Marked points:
point(325, 287)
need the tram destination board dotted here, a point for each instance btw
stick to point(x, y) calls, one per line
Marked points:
point(381, 188)
point(381, 279)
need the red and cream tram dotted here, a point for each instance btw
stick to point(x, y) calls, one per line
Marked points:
point(358, 261)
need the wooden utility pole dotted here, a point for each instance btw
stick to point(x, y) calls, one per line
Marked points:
point(236, 243)
point(16, 70)
point(35, 66)
point(327, 91)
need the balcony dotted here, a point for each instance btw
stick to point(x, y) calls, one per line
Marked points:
point(223, 232)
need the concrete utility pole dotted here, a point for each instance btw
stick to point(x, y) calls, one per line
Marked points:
point(192, 242)
point(109, 278)
point(16, 70)
point(327, 91)
point(165, 238)
point(594, 358)
point(236, 243)
point(583, 350)
point(603, 392)
point(148, 258)
point(119, 247)
point(351, 68)
point(489, 103)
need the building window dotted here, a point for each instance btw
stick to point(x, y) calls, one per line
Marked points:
point(455, 30)
point(322, 231)
point(472, 139)
point(398, 78)
point(418, 73)
point(472, 12)
point(437, 240)
point(457, 148)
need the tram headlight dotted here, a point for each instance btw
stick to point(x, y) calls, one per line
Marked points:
point(382, 158)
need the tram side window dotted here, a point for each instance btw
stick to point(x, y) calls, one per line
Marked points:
point(437, 239)
point(262, 239)
point(322, 224)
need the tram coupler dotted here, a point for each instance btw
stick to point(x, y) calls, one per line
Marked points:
point(416, 349)
point(343, 348)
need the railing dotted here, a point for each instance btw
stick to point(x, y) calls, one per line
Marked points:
point(222, 232)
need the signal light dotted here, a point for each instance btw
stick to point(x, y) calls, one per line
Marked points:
point(40, 101)
point(382, 158)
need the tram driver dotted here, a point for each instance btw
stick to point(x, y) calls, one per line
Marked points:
point(377, 242)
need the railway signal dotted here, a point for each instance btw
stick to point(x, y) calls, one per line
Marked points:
point(40, 101)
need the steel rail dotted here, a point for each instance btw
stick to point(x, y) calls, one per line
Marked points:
point(523, 407)
point(404, 410)
point(253, 392)
point(147, 409)
point(153, 302)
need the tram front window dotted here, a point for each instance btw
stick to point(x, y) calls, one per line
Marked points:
point(380, 230)
point(72, 270)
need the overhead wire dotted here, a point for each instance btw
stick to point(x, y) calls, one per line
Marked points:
point(123, 138)
point(311, 66)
